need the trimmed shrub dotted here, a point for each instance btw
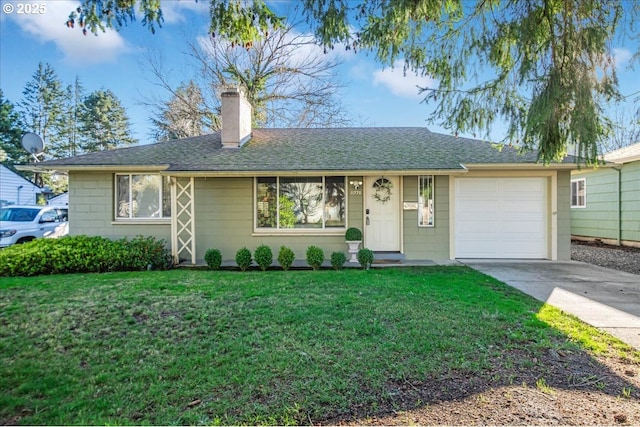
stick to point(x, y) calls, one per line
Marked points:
point(243, 258)
point(83, 254)
point(353, 234)
point(146, 252)
point(213, 258)
point(286, 257)
point(315, 257)
point(263, 256)
point(365, 258)
point(338, 259)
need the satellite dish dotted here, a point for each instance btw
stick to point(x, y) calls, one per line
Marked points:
point(32, 143)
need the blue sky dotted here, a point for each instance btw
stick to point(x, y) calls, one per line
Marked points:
point(374, 96)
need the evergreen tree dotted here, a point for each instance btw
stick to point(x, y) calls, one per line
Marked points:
point(104, 124)
point(72, 109)
point(42, 108)
point(11, 131)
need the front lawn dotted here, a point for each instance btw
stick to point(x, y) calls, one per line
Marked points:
point(203, 347)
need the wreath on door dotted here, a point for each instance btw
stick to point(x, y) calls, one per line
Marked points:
point(382, 187)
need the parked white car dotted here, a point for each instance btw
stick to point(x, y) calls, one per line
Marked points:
point(21, 224)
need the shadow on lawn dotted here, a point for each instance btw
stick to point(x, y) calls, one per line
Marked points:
point(560, 384)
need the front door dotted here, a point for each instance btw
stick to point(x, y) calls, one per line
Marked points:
point(382, 213)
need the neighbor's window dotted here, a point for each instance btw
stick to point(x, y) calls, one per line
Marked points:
point(142, 196)
point(300, 202)
point(579, 193)
point(425, 201)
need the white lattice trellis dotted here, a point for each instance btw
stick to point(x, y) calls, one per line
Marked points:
point(183, 236)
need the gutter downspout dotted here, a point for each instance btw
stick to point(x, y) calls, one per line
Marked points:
point(619, 231)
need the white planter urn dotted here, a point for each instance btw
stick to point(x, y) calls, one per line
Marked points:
point(354, 246)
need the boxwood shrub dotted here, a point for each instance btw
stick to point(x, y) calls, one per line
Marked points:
point(213, 258)
point(365, 258)
point(338, 259)
point(243, 258)
point(315, 257)
point(263, 257)
point(286, 257)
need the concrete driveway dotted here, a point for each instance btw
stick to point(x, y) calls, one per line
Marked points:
point(604, 298)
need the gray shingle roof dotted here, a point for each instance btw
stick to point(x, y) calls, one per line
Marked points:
point(339, 149)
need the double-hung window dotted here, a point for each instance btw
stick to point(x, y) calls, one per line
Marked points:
point(313, 202)
point(142, 196)
point(579, 193)
point(425, 201)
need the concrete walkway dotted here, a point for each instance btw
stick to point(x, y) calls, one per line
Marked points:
point(604, 298)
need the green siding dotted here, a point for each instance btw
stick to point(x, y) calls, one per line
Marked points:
point(225, 221)
point(600, 218)
point(91, 210)
point(427, 242)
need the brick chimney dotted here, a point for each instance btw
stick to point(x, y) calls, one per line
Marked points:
point(236, 117)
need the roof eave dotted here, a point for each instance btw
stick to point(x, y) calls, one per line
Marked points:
point(520, 166)
point(351, 172)
point(34, 167)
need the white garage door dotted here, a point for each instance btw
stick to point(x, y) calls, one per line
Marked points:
point(500, 218)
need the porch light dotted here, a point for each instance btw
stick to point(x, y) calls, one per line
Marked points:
point(355, 184)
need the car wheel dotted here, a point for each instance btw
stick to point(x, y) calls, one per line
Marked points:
point(24, 240)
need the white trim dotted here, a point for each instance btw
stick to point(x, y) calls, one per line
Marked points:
point(576, 181)
point(553, 239)
point(122, 219)
point(141, 221)
point(310, 231)
point(433, 198)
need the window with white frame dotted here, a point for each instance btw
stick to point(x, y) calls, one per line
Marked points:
point(425, 201)
point(142, 196)
point(579, 193)
point(314, 202)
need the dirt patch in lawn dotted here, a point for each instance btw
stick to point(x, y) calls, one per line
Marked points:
point(562, 388)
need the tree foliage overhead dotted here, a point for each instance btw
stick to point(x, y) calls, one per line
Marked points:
point(543, 67)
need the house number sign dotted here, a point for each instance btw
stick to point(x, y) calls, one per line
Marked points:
point(356, 192)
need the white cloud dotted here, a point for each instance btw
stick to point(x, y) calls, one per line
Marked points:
point(621, 57)
point(400, 84)
point(172, 10)
point(49, 27)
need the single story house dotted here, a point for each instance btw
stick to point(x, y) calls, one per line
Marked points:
point(605, 202)
point(16, 190)
point(415, 193)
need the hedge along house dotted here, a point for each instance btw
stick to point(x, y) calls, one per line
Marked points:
point(605, 202)
point(418, 194)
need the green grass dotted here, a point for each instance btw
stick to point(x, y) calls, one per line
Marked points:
point(203, 347)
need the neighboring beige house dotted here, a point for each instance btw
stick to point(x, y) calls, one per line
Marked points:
point(414, 193)
point(605, 202)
